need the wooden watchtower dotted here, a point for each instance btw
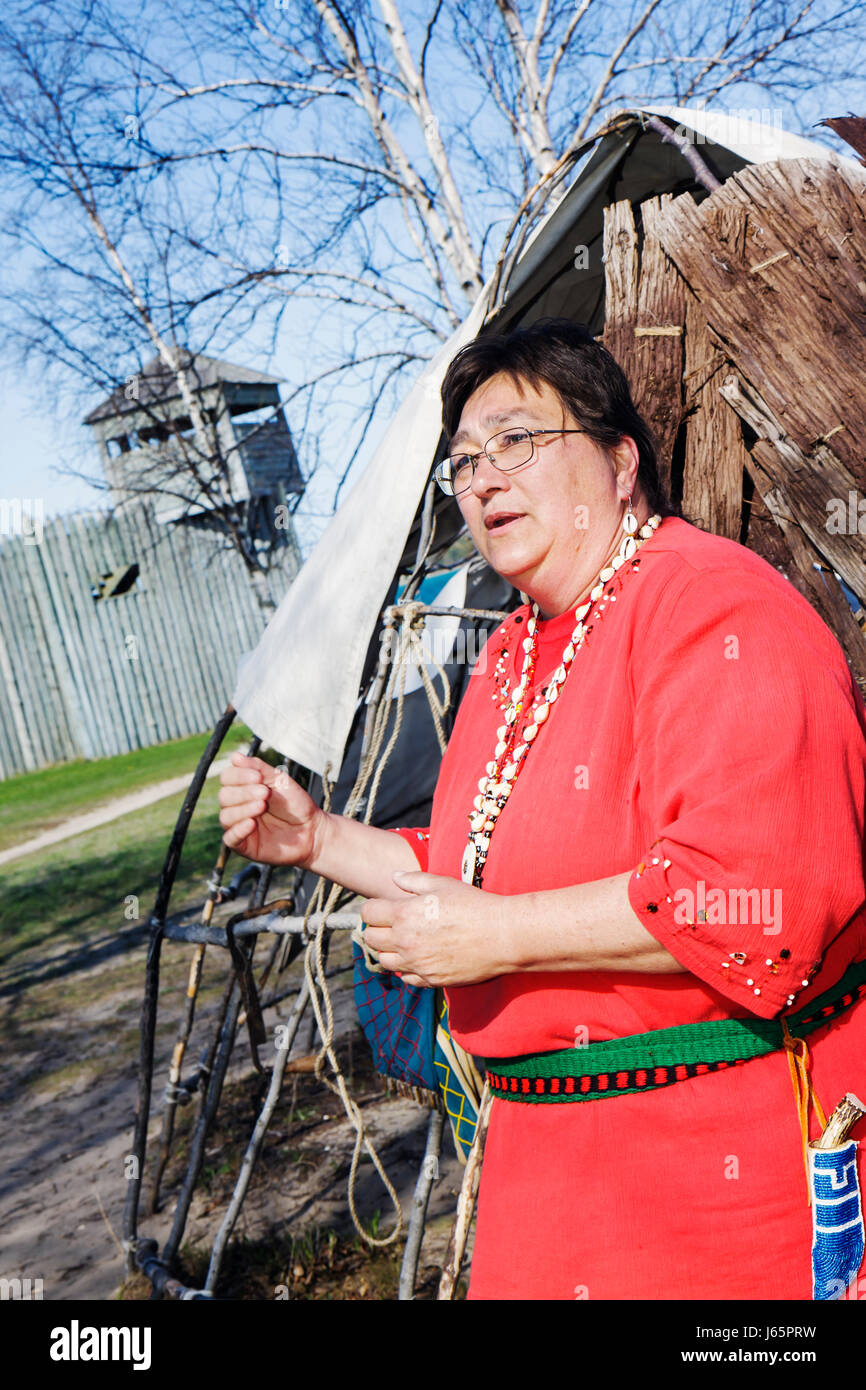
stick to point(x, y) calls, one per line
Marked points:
point(241, 453)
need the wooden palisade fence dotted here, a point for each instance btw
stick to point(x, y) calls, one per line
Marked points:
point(91, 677)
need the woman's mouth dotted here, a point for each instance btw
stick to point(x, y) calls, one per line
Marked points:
point(501, 521)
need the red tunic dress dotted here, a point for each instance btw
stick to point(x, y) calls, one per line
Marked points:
point(709, 728)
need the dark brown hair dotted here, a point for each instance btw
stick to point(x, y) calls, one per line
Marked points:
point(591, 387)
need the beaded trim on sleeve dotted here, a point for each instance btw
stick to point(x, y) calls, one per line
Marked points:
point(749, 970)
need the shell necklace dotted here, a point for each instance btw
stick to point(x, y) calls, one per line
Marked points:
point(509, 756)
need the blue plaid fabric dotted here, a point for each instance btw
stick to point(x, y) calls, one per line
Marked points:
point(398, 1022)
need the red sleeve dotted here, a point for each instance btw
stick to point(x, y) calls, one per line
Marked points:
point(418, 839)
point(749, 734)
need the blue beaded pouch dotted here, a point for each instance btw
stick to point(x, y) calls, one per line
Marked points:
point(837, 1220)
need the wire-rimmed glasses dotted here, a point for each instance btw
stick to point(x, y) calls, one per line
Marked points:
point(507, 450)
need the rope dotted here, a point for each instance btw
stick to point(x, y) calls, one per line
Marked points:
point(398, 671)
point(413, 620)
point(320, 999)
point(804, 1091)
point(410, 648)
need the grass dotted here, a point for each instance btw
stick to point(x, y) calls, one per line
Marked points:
point(85, 1069)
point(75, 917)
point(104, 881)
point(317, 1265)
point(37, 801)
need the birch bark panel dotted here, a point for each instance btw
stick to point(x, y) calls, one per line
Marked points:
point(852, 129)
point(644, 321)
point(766, 294)
point(819, 585)
point(620, 285)
point(808, 483)
point(794, 324)
point(777, 258)
point(657, 378)
point(764, 536)
point(715, 455)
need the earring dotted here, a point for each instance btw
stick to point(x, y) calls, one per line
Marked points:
point(629, 521)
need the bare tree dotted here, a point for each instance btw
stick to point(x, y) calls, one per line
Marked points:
point(112, 266)
point(342, 176)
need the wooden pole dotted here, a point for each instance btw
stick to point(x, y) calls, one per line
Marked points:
point(465, 1203)
point(427, 1175)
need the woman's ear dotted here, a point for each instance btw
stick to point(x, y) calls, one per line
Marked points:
point(626, 458)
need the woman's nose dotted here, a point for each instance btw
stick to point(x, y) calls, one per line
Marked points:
point(487, 477)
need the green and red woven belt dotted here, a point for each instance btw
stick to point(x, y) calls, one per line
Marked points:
point(648, 1061)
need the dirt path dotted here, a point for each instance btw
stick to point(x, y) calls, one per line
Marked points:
point(101, 815)
point(68, 1089)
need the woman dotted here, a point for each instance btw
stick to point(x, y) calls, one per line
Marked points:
point(649, 815)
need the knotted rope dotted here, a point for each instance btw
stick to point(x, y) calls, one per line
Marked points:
point(410, 648)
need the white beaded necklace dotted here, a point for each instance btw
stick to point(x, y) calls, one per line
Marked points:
point(508, 758)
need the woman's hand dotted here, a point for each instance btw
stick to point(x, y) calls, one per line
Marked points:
point(265, 814)
point(439, 931)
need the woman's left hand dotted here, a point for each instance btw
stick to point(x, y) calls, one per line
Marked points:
point(440, 931)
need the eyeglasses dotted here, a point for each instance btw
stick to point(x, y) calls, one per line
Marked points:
point(507, 450)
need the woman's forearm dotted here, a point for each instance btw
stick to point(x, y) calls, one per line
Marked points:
point(449, 933)
point(360, 857)
point(590, 926)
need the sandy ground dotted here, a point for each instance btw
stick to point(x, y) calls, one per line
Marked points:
point(68, 1092)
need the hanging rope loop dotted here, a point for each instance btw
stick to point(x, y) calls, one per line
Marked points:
point(804, 1092)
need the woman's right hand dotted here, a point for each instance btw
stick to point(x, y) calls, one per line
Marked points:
point(266, 815)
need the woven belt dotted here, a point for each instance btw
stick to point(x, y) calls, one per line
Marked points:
point(648, 1061)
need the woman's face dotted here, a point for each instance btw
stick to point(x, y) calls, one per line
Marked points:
point(561, 514)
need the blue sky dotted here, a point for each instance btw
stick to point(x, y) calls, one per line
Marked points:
point(35, 441)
